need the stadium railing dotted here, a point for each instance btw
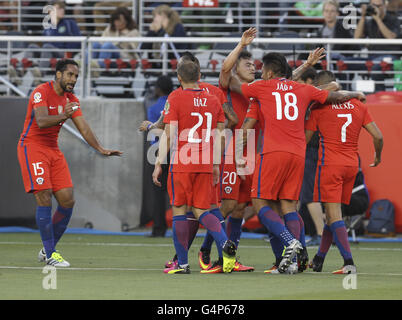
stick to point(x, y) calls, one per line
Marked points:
point(133, 77)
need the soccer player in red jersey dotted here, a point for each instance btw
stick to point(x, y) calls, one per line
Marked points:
point(43, 166)
point(231, 120)
point(281, 165)
point(338, 126)
point(234, 190)
point(191, 118)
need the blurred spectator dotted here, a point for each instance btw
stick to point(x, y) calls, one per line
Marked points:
point(154, 204)
point(60, 27)
point(394, 6)
point(377, 23)
point(166, 23)
point(333, 28)
point(8, 11)
point(121, 24)
point(102, 7)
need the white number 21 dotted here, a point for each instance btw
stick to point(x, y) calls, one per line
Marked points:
point(345, 125)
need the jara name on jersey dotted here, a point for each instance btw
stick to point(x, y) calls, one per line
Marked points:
point(283, 87)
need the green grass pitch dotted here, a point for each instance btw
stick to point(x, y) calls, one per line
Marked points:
point(130, 267)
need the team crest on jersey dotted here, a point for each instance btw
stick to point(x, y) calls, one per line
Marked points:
point(167, 106)
point(228, 190)
point(40, 181)
point(37, 97)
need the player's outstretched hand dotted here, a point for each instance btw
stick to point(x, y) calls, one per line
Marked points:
point(361, 96)
point(109, 153)
point(315, 56)
point(376, 162)
point(155, 175)
point(144, 126)
point(248, 36)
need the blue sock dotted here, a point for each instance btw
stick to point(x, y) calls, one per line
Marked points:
point(233, 229)
point(180, 238)
point(60, 220)
point(277, 246)
point(215, 228)
point(209, 239)
point(45, 226)
point(273, 222)
point(340, 236)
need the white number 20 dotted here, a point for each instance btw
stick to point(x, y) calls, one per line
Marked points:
point(345, 125)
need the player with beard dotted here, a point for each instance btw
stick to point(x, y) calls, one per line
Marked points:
point(44, 169)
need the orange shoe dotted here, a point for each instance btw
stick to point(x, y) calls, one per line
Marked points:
point(204, 260)
point(347, 269)
point(215, 268)
point(272, 270)
point(242, 268)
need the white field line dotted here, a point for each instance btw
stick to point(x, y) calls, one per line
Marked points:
point(118, 244)
point(159, 270)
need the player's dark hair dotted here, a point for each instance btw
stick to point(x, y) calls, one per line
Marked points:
point(310, 73)
point(62, 64)
point(188, 56)
point(165, 84)
point(324, 77)
point(189, 72)
point(276, 62)
point(244, 55)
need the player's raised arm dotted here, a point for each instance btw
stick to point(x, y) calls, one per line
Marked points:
point(44, 120)
point(87, 133)
point(343, 96)
point(230, 61)
point(378, 142)
point(313, 58)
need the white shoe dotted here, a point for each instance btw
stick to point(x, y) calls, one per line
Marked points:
point(56, 260)
point(42, 255)
point(290, 252)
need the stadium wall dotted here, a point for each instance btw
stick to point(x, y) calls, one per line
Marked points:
point(108, 191)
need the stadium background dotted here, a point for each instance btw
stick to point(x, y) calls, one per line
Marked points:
point(109, 191)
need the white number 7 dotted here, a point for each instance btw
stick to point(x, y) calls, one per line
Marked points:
point(348, 122)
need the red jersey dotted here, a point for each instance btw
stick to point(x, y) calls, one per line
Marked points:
point(196, 114)
point(283, 107)
point(44, 95)
point(339, 127)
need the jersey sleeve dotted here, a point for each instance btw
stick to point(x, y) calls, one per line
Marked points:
point(78, 112)
point(253, 110)
point(221, 96)
point(311, 122)
point(39, 97)
point(367, 116)
point(170, 112)
point(317, 94)
point(250, 90)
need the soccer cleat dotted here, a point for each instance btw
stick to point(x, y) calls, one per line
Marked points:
point(242, 268)
point(204, 259)
point(56, 260)
point(171, 263)
point(292, 269)
point(42, 255)
point(290, 252)
point(347, 269)
point(272, 270)
point(180, 270)
point(302, 259)
point(216, 267)
point(317, 263)
point(229, 256)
